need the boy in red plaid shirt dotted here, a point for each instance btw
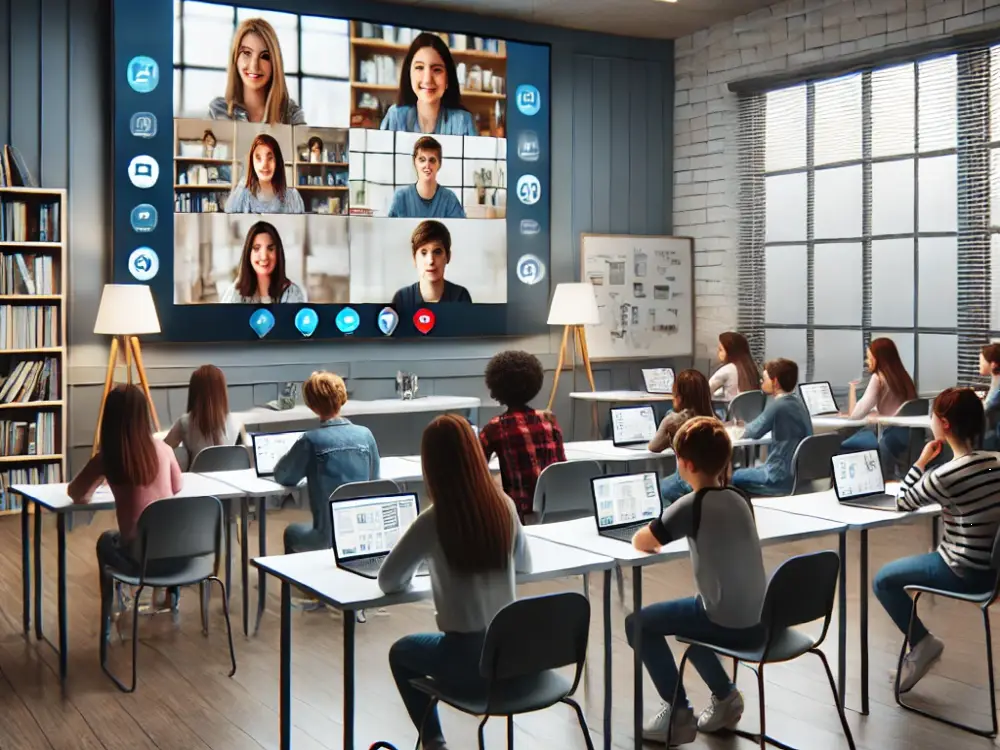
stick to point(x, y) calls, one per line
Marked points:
point(525, 440)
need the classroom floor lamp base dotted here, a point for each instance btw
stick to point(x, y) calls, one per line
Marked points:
point(131, 353)
point(579, 345)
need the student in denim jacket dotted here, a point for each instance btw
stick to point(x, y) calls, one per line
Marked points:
point(989, 364)
point(335, 453)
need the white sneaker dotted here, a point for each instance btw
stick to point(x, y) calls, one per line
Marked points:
point(685, 727)
point(722, 714)
point(918, 662)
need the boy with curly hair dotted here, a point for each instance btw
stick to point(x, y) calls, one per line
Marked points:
point(524, 439)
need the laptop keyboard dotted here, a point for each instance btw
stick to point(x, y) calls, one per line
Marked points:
point(373, 565)
point(623, 533)
point(882, 502)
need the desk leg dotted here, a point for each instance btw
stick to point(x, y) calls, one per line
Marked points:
point(842, 618)
point(863, 586)
point(350, 620)
point(245, 560)
point(38, 573)
point(228, 513)
point(285, 690)
point(63, 629)
point(637, 657)
point(25, 566)
point(262, 551)
point(607, 660)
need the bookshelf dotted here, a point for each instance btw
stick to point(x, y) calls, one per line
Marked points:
point(33, 394)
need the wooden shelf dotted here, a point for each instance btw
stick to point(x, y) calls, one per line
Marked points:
point(27, 244)
point(31, 405)
point(203, 160)
point(322, 164)
point(388, 87)
point(322, 187)
point(36, 350)
point(28, 459)
point(51, 192)
point(379, 45)
point(30, 297)
point(216, 186)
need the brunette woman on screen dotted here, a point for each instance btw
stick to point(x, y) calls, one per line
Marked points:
point(265, 190)
point(989, 366)
point(255, 86)
point(738, 373)
point(139, 471)
point(889, 388)
point(261, 278)
point(430, 98)
point(207, 421)
point(431, 247)
point(473, 543)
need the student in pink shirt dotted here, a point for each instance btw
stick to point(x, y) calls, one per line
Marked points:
point(139, 471)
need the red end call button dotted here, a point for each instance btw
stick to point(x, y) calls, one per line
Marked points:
point(424, 320)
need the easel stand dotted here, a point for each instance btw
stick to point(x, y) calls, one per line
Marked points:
point(579, 344)
point(131, 352)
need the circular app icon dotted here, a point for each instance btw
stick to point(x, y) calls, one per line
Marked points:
point(306, 321)
point(528, 100)
point(529, 189)
point(143, 171)
point(530, 269)
point(143, 74)
point(143, 217)
point(347, 320)
point(143, 263)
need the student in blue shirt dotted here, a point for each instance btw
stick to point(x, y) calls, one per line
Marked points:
point(426, 199)
point(430, 97)
point(788, 421)
point(989, 365)
point(431, 245)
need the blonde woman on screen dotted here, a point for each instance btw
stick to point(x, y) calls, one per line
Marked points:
point(261, 278)
point(255, 86)
point(265, 191)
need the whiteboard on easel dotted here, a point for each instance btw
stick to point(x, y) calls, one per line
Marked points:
point(645, 295)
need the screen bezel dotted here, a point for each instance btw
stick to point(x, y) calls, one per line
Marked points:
point(374, 499)
point(833, 397)
point(611, 412)
point(833, 475)
point(253, 440)
point(593, 497)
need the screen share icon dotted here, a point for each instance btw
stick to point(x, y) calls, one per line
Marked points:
point(143, 171)
point(143, 124)
point(143, 74)
point(528, 100)
point(144, 217)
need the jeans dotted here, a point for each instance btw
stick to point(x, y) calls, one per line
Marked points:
point(923, 570)
point(452, 659)
point(686, 617)
point(891, 447)
point(304, 537)
point(673, 488)
point(754, 480)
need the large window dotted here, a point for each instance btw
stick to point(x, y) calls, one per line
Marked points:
point(865, 211)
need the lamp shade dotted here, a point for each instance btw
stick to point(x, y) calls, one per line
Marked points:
point(126, 310)
point(574, 305)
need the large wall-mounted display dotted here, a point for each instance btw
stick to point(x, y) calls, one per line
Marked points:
point(288, 174)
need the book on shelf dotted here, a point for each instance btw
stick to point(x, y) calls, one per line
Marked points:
point(40, 474)
point(33, 438)
point(27, 274)
point(29, 221)
point(29, 326)
point(31, 380)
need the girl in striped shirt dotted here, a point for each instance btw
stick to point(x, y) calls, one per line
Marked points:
point(968, 491)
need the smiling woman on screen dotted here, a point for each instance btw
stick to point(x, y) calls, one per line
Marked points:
point(255, 85)
point(430, 98)
point(265, 190)
point(261, 278)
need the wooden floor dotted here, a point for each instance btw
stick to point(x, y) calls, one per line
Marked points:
point(186, 701)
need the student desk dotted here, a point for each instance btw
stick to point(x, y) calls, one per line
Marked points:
point(317, 574)
point(773, 527)
point(834, 423)
point(914, 423)
point(53, 497)
point(625, 397)
point(605, 450)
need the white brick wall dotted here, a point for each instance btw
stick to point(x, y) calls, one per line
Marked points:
point(790, 34)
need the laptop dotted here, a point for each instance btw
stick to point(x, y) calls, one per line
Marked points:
point(365, 530)
point(269, 447)
point(858, 481)
point(624, 503)
point(632, 426)
point(659, 380)
point(818, 398)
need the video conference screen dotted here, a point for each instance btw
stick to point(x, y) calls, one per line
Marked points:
point(287, 174)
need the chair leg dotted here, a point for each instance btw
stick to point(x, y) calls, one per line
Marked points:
point(229, 626)
point(836, 698)
point(989, 668)
point(135, 650)
point(586, 585)
point(736, 666)
point(482, 736)
point(510, 733)
point(677, 692)
point(760, 697)
point(583, 721)
point(423, 722)
point(203, 601)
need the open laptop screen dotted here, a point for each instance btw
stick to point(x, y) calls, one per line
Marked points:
point(626, 498)
point(659, 380)
point(371, 525)
point(269, 447)
point(818, 398)
point(857, 475)
point(632, 425)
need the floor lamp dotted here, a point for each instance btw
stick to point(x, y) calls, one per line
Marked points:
point(573, 307)
point(126, 311)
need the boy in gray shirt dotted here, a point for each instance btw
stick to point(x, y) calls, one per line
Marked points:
point(728, 569)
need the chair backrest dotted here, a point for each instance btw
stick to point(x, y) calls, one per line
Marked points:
point(371, 488)
point(917, 407)
point(180, 527)
point(563, 491)
point(222, 458)
point(559, 625)
point(801, 590)
point(747, 406)
point(811, 463)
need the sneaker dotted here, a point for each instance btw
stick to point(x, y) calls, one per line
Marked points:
point(918, 662)
point(722, 714)
point(685, 728)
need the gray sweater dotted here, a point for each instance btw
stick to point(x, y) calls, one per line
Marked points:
point(465, 602)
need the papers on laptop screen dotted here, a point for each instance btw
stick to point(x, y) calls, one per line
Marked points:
point(659, 380)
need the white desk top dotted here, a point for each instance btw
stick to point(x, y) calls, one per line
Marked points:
point(248, 483)
point(605, 450)
point(832, 423)
point(262, 416)
point(624, 396)
point(317, 573)
point(922, 422)
point(825, 505)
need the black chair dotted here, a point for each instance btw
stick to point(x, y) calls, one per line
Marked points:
point(800, 591)
point(811, 463)
point(223, 458)
point(983, 601)
point(184, 533)
point(521, 672)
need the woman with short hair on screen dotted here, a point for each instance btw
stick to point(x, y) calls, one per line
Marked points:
point(255, 85)
point(430, 97)
point(431, 247)
point(473, 543)
point(738, 373)
point(261, 277)
point(207, 421)
point(265, 189)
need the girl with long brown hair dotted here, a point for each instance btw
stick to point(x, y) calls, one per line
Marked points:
point(207, 421)
point(265, 189)
point(261, 276)
point(739, 372)
point(989, 366)
point(473, 543)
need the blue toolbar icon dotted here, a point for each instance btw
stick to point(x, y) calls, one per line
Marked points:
point(306, 321)
point(388, 319)
point(143, 74)
point(261, 321)
point(348, 320)
point(528, 100)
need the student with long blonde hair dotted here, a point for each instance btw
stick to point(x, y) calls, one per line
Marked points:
point(473, 543)
point(207, 421)
point(255, 85)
